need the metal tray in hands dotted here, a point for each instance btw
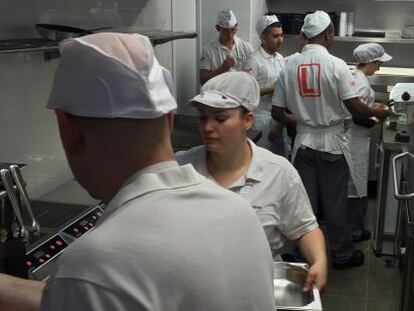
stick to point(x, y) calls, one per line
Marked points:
point(288, 283)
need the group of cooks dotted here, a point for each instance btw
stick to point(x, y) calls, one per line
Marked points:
point(192, 230)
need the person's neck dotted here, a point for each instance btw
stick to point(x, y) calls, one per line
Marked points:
point(364, 70)
point(228, 43)
point(227, 167)
point(114, 177)
point(269, 51)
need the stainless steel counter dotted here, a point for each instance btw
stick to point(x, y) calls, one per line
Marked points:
point(389, 142)
point(387, 213)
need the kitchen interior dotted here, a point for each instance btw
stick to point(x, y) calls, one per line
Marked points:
point(63, 211)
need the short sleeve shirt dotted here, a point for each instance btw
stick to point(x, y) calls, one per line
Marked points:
point(274, 190)
point(168, 240)
point(266, 69)
point(366, 93)
point(215, 53)
point(313, 87)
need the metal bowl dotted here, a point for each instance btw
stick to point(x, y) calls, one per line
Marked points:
point(288, 282)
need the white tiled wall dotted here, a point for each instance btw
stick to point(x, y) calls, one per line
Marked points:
point(28, 132)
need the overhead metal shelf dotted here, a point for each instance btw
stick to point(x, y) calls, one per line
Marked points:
point(51, 48)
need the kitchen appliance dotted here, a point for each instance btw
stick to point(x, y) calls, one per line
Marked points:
point(407, 32)
point(402, 97)
point(14, 234)
point(403, 177)
point(288, 281)
point(40, 260)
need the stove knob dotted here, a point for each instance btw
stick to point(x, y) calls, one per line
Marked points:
point(405, 96)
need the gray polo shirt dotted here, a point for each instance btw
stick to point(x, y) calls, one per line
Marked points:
point(274, 190)
point(169, 240)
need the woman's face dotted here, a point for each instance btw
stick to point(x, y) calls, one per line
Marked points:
point(373, 67)
point(223, 130)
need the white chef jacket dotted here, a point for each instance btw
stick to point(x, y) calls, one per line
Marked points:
point(266, 69)
point(215, 53)
point(313, 87)
point(273, 188)
point(359, 140)
point(169, 240)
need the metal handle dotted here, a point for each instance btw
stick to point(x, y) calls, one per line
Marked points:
point(18, 180)
point(398, 195)
point(8, 185)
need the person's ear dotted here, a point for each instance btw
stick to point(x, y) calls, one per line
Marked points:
point(70, 133)
point(170, 120)
point(249, 120)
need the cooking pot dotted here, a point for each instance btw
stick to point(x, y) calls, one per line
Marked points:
point(60, 32)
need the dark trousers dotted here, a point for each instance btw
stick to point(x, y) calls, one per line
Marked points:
point(357, 209)
point(325, 176)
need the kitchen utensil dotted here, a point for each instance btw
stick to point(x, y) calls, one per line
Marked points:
point(6, 179)
point(288, 282)
point(18, 180)
point(60, 32)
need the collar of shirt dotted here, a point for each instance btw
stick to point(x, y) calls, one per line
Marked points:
point(160, 176)
point(314, 47)
point(221, 46)
point(267, 55)
point(254, 172)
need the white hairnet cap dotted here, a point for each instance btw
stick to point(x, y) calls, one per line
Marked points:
point(226, 19)
point(111, 75)
point(370, 52)
point(230, 90)
point(315, 23)
point(264, 22)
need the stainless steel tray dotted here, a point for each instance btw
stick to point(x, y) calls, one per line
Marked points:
point(288, 283)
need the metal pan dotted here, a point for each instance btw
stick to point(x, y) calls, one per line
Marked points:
point(60, 32)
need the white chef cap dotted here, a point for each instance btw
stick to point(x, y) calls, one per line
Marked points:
point(111, 75)
point(226, 19)
point(315, 23)
point(264, 22)
point(370, 52)
point(230, 90)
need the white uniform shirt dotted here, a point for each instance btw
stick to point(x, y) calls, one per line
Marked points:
point(169, 240)
point(359, 140)
point(215, 53)
point(273, 188)
point(313, 87)
point(266, 69)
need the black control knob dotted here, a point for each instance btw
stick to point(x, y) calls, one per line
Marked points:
point(405, 96)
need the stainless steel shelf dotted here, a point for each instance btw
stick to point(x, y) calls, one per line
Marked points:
point(392, 40)
point(41, 45)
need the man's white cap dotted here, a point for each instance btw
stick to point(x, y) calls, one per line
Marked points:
point(264, 22)
point(226, 19)
point(111, 75)
point(370, 52)
point(315, 23)
point(230, 90)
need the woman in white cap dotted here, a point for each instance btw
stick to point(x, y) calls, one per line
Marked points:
point(268, 182)
point(227, 52)
point(369, 57)
point(265, 64)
